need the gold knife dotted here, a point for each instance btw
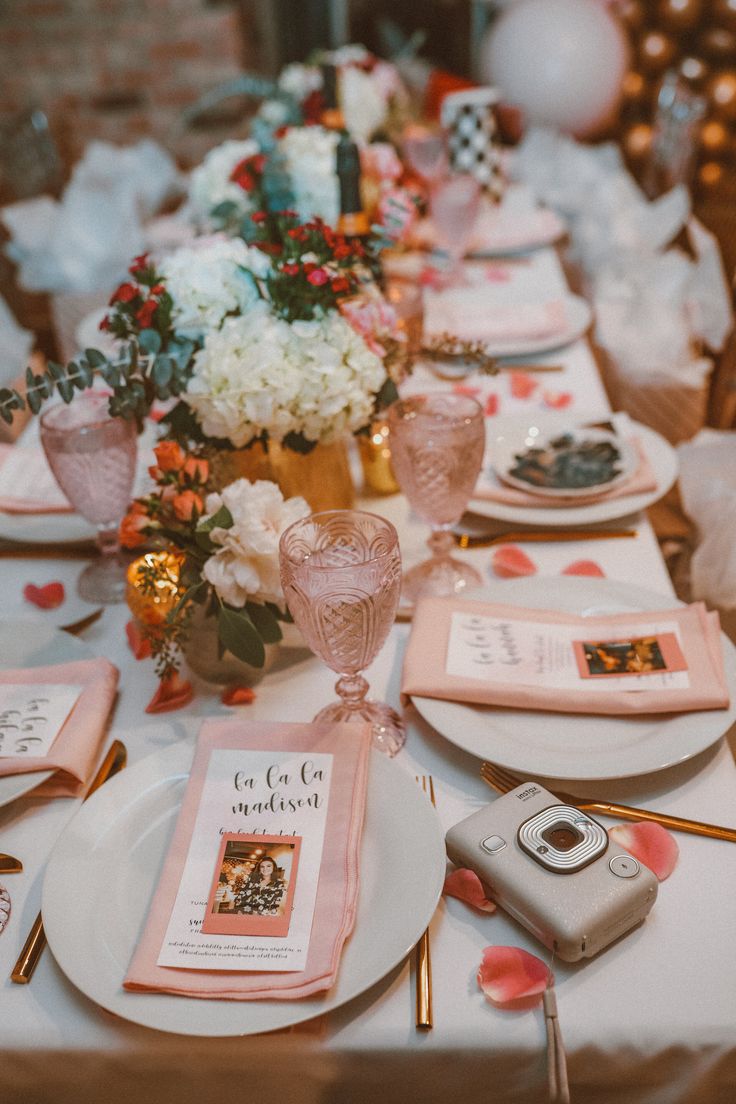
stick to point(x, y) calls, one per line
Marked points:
point(537, 536)
point(22, 972)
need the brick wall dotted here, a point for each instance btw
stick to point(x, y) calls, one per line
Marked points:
point(122, 69)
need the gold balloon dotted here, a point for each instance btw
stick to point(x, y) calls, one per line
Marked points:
point(723, 11)
point(656, 51)
point(679, 15)
point(710, 174)
point(693, 69)
point(631, 12)
point(714, 137)
point(718, 43)
point(634, 87)
point(722, 93)
point(637, 141)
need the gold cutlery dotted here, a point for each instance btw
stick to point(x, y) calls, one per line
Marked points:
point(22, 972)
point(10, 865)
point(422, 960)
point(536, 536)
point(76, 627)
point(502, 780)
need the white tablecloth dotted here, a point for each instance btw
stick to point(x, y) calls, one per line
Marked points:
point(651, 1020)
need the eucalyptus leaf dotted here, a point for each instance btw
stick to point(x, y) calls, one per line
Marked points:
point(94, 357)
point(149, 341)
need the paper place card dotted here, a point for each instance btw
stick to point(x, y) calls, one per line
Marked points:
point(590, 658)
point(25, 474)
point(31, 717)
point(247, 893)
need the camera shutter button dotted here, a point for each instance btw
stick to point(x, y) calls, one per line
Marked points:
point(493, 844)
point(624, 866)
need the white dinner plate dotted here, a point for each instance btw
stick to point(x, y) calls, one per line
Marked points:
point(578, 319)
point(500, 430)
point(105, 867)
point(539, 238)
point(507, 450)
point(33, 644)
point(571, 745)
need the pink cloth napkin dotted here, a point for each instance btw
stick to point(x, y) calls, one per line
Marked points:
point(52, 502)
point(496, 228)
point(642, 481)
point(337, 893)
point(425, 673)
point(75, 750)
point(467, 313)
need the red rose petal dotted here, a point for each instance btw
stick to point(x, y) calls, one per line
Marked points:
point(650, 843)
point(238, 695)
point(462, 389)
point(512, 978)
point(557, 400)
point(522, 385)
point(511, 562)
point(45, 597)
point(139, 644)
point(173, 693)
point(467, 886)
point(584, 567)
point(491, 406)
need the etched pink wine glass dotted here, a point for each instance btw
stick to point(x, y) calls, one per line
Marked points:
point(341, 576)
point(425, 151)
point(454, 204)
point(437, 444)
point(93, 458)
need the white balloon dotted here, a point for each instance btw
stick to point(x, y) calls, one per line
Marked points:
point(561, 61)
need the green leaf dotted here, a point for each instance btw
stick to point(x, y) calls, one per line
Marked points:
point(280, 614)
point(240, 636)
point(163, 369)
point(149, 341)
point(265, 622)
point(223, 519)
point(94, 358)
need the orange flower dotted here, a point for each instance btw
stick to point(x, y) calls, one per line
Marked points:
point(185, 504)
point(132, 526)
point(169, 455)
point(197, 470)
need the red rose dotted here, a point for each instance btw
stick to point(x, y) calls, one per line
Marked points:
point(105, 323)
point(124, 294)
point(158, 289)
point(259, 216)
point(290, 269)
point(280, 131)
point(139, 263)
point(342, 250)
point(318, 277)
point(144, 315)
point(340, 284)
point(242, 177)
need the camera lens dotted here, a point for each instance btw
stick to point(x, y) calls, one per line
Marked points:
point(562, 836)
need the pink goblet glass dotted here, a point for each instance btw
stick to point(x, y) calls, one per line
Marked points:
point(341, 575)
point(93, 458)
point(425, 151)
point(454, 206)
point(437, 444)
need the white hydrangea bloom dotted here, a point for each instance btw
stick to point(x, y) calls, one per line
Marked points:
point(210, 183)
point(246, 566)
point(207, 281)
point(300, 80)
point(260, 373)
point(309, 158)
point(363, 104)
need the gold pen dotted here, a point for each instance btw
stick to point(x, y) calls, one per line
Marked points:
point(22, 972)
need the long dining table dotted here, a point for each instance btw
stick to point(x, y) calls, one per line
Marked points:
point(651, 1020)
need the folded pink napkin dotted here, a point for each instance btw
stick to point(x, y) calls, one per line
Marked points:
point(467, 313)
point(499, 228)
point(425, 664)
point(337, 893)
point(74, 751)
point(489, 487)
point(26, 483)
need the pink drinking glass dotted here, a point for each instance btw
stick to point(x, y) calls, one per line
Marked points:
point(454, 205)
point(437, 444)
point(93, 458)
point(425, 151)
point(341, 575)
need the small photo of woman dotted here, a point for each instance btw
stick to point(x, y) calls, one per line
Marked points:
point(253, 885)
point(264, 891)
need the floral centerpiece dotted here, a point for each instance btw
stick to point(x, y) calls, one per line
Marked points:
point(228, 566)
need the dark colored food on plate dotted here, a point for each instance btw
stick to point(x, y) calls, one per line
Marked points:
point(568, 463)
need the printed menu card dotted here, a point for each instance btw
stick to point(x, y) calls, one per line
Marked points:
point(666, 661)
point(259, 889)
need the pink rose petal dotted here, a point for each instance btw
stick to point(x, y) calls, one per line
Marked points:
point(557, 400)
point(46, 597)
point(511, 562)
point(522, 385)
point(584, 567)
point(467, 886)
point(471, 392)
point(512, 978)
point(238, 695)
point(496, 274)
point(491, 406)
point(139, 644)
point(650, 843)
point(173, 692)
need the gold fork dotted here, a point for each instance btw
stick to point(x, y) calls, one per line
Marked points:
point(502, 780)
point(422, 960)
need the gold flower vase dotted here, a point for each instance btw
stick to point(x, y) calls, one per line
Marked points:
point(321, 476)
point(204, 658)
